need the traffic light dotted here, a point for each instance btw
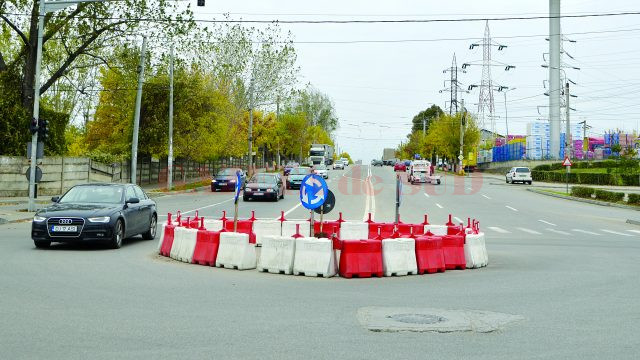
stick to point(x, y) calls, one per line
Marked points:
point(33, 126)
point(43, 130)
point(200, 2)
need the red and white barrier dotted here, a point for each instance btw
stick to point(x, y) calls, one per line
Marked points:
point(264, 228)
point(277, 254)
point(361, 258)
point(289, 227)
point(235, 251)
point(354, 230)
point(399, 257)
point(314, 257)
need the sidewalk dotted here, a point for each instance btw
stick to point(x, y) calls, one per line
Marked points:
point(496, 179)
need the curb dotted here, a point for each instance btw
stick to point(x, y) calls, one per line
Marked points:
point(633, 222)
point(154, 194)
point(595, 202)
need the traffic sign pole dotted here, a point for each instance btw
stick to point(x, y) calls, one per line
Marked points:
point(567, 163)
point(311, 224)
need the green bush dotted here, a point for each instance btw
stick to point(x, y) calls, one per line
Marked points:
point(582, 191)
point(633, 199)
point(545, 167)
point(630, 180)
point(609, 195)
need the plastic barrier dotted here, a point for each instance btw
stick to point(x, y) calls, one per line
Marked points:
point(453, 248)
point(354, 230)
point(207, 243)
point(411, 230)
point(262, 228)
point(380, 231)
point(361, 258)
point(429, 254)
point(166, 234)
point(213, 224)
point(439, 230)
point(475, 251)
point(399, 257)
point(244, 227)
point(187, 245)
point(277, 254)
point(289, 227)
point(314, 257)
point(235, 251)
point(327, 227)
point(176, 248)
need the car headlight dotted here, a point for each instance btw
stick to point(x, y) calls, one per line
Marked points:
point(39, 218)
point(213, 181)
point(232, 181)
point(269, 190)
point(247, 189)
point(101, 219)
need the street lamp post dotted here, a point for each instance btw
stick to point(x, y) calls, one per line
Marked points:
point(44, 8)
point(506, 117)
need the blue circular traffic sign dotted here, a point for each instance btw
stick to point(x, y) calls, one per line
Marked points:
point(313, 191)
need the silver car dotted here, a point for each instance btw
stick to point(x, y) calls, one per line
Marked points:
point(519, 174)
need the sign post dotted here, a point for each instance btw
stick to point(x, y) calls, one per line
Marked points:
point(313, 193)
point(326, 207)
point(567, 163)
point(237, 194)
point(398, 197)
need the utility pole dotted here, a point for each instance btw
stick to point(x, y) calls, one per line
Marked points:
point(170, 156)
point(567, 135)
point(250, 160)
point(277, 119)
point(554, 78)
point(136, 120)
point(462, 124)
point(584, 138)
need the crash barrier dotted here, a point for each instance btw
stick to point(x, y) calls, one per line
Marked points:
point(277, 254)
point(354, 230)
point(264, 228)
point(207, 244)
point(399, 257)
point(411, 248)
point(361, 258)
point(429, 254)
point(314, 257)
point(236, 252)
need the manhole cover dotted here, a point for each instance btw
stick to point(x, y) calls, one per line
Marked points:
point(390, 319)
point(417, 318)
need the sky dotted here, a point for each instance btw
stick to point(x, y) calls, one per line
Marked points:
point(378, 80)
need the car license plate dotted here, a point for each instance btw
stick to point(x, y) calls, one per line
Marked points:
point(223, 183)
point(523, 175)
point(64, 228)
point(258, 193)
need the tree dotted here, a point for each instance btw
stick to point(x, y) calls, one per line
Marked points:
point(428, 116)
point(444, 135)
point(317, 106)
point(346, 155)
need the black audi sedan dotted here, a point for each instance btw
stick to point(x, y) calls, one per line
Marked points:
point(226, 179)
point(264, 186)
point(96, 212)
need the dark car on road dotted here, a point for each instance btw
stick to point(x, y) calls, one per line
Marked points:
point(96, 212)
point(226, 179)
point(297, 174)
point(264, 186)
point(288, 167)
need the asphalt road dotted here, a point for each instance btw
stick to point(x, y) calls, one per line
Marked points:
point(570, 269)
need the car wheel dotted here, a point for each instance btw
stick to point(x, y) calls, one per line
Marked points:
point(118, 235)
point(282, 196)
point(41, 244)
point(245, 198)
point(529, 182)
point(151, 233)
point(438, 182)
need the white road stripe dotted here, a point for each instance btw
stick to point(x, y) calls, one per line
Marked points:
point(425, 194)
point(438, 205)
point(486, 196)
point(548, 223)
point(558, 232)
point(615, 232)
point(509, 207)
point(635, 231)
point(208, 206)
point(497, 229)
point(290, 210)
point(529, 231)
point(458, 219)
point(585, 232)
point(469, 188)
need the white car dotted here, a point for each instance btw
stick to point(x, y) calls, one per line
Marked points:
point(321, 170)
point(338, 165)
point(519, 174)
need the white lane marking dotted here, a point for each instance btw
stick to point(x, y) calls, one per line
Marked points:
point(469, 188)
point(486, 196)
point(367, 206)
point(458, 219)
point(548, 223)
point(585, 232)
point(425, 194)
point(208, 206)
point(615, 232)
point(529, 231)
point(635, 231)
point(290, 210)
point(370, 194)
point(497, 229)
point(509, 207)
point(438, 205)
point(558, 231)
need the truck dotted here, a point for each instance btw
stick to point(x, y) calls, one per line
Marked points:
point(421, 171)
point(320, 154)
point(388, 155)
point(470, 162)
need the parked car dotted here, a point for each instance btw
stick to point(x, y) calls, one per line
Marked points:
point(338, 165)
point(519, 174)
point(376, 162)
point(226, 179)
point(321, 170)
point(400, 166)
point(96, 212)
point(288, 167)
point(296, 175)
point(264, 186)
